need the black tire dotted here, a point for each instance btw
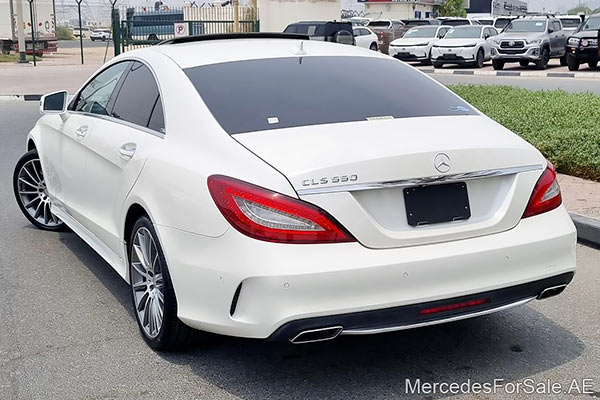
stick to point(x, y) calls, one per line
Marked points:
point(37, 198)
point(437, 64)
point(152, 37)
point(573, 63)
point(92, 39)
point(563, 60)
point(593, 64)
point(373, 46)
point(523, 63)
point(542, 63)
point(172, 333)
point(498, 65)
point(480, 59)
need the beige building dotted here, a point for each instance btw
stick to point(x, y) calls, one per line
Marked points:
point(402, 9)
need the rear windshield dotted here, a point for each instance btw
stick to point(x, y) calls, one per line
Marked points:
point(268, 94)
point(570, 22)
point(421, 32)
point(379, 24)
point(456, 22)
point(417, 22)
point(501, 23)
point(489, 22)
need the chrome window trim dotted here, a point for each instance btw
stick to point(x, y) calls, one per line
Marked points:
point(144, 129)
point(437, 321)
point(465, 176)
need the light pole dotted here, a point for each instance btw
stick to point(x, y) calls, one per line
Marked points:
point(32, 30)
point(80, 29)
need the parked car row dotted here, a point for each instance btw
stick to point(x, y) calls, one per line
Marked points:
point(531, 39)
point(524, 40)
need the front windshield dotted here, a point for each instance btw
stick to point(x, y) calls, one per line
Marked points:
point(526, 26)
point(421, 33)
point(464, 33)
point(592, 24)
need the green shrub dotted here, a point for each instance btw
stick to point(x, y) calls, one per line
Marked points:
point(565, 127)
point(64, 33)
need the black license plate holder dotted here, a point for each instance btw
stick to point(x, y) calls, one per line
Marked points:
point(436, 204)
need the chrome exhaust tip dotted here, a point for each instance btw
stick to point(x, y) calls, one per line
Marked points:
point(317, 335)
point(551, 291)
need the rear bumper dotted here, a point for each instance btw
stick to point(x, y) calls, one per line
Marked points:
point(412, 316)
point(238, 286)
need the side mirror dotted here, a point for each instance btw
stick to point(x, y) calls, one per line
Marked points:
point(486, 36)
point(54, 103)
point(550, 30)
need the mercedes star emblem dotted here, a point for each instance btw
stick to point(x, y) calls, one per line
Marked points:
point(441, 162)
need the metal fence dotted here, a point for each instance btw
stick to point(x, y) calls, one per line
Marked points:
point(140, 27)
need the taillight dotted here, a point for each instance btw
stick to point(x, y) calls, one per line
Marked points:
point(271, 216)
point(546, 194)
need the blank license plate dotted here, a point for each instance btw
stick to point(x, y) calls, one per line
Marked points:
point(435, 204)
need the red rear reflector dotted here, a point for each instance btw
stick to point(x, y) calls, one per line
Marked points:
point(546, 194)
point(271, 216)
point(454, 306)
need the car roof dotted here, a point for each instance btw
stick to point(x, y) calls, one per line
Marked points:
point(198, 53)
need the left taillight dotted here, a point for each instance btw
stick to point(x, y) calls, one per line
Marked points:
point(274, 217)
point(546, 194)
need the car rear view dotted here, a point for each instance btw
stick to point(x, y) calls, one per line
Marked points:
point(408, 210)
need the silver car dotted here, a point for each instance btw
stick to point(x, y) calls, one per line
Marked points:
point(530, 40)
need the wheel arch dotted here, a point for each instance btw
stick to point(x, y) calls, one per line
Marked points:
point(31, 144)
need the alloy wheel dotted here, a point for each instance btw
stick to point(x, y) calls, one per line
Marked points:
point(147, 282)
point(33, 194)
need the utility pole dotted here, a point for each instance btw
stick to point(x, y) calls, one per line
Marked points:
point(32, 30)
point(80, 29)
point(236, 15)
point(21, 32)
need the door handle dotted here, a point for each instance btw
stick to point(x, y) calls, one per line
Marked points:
point(127, 151)
point(81, 132)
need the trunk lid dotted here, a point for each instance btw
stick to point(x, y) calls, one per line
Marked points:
point(357, 172)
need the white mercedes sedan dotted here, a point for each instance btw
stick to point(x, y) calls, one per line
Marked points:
point(239, 187)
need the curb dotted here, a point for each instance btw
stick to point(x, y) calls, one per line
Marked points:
point(20, 97)
point(524, 74)
point(588, 229)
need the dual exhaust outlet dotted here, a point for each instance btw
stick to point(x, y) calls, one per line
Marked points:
point(331, 332)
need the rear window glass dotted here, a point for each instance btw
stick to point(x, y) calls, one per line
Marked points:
point(379, 24)
point(269, 94)
point(570, 22)
point(456, 22)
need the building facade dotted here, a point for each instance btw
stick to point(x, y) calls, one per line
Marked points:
point(496, 7)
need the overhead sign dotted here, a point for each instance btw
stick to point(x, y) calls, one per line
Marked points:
point(181, 29)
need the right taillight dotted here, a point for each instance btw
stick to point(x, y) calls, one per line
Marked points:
point(546, 194)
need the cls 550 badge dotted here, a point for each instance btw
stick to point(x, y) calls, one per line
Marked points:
point(330, 180)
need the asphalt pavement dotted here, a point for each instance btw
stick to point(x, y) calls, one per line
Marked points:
point(68, 332)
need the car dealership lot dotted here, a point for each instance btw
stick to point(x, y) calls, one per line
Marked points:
point(68, 331)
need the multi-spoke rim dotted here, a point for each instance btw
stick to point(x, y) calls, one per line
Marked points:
point(33, 194)
point(147, 282)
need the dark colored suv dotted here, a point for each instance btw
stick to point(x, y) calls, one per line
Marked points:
point(583, 44)
point(328, 31)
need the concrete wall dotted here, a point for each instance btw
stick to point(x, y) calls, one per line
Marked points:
point(396, 10)
point(275, 15)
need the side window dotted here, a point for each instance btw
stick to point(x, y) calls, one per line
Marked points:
point(291, 29)
point(157, 120)
point(94, 98)
point(138, 95)
point(557, 26)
